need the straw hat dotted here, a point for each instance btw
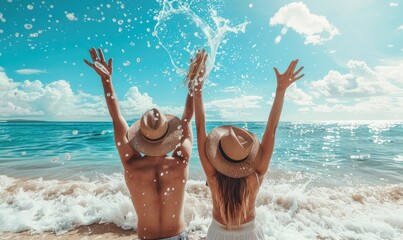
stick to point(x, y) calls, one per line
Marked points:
point(233, 151)
point(155, 134)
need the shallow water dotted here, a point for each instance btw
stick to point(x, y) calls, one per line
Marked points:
point(326, 180)
point(330, 153)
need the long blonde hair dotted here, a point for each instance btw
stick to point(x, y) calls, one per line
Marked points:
point(232, 199)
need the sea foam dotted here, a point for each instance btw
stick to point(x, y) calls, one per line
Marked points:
point(286, 208)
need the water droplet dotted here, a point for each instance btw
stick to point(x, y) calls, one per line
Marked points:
point(23, 153)
point(138, 60)
point(173, 216)
point(144, 193)
point(119, 144)
point(126, 154)
point(250, 5)
point(162, 174)
point(30, 7)
point(101, 67)
point(120, 22)
point(127, 63)
point(55, 159)
point(67, 156)
point(28, 26)
point(108, 94)
point(75, 132)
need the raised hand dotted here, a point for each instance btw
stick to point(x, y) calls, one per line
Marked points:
point(288, 77)
point(197, 71)
point(100, 66)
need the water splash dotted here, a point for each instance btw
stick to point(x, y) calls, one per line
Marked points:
point(195, 33)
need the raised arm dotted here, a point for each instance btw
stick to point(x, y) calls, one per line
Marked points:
point(104, 70)
point(200, 118)
point(283, 82)
point(185, 148)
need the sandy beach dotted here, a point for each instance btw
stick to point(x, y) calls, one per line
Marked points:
point(90, 232)
point(94, 231)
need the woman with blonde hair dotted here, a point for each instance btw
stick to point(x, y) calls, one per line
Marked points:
point(235, 163)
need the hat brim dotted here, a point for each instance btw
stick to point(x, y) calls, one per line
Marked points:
point(230, 169)
point(160, 147)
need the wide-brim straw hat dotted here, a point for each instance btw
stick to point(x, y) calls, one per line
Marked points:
point(233, 151)
point(155, 134)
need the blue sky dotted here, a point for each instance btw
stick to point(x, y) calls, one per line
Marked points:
point(352, 52)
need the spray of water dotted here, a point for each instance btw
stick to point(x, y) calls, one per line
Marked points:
point(210, 37)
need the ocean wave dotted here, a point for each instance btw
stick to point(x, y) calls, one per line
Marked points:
point(287, 207)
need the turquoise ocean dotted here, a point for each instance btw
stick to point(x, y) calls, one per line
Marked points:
point(327, 180)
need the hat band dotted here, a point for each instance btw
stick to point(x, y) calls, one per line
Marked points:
point(158, 139)
point(226, 156)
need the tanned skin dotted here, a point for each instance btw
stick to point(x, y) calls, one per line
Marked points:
point(156, 184)
point(283, 82)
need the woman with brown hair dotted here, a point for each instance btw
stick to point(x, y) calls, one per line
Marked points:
point(235, 163)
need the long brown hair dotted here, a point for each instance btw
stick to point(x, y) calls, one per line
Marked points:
point(232, 199)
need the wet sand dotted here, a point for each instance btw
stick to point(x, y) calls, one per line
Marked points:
point(90, 232)
point(95, 231)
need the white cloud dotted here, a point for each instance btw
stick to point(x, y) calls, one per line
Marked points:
point(71, 16)
point(231, 89)
point(315, 28)
point(361, 92)
point(57, 101)
point(6, 83)
point(399, 28)
point(233, 108)
point(393, 4)
point(359, 81)
point(298, 96)
point(136, 103)
point(27, 71)
point(243, 102)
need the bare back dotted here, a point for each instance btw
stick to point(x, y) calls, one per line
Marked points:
point(157, 186)
point(253, 184)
